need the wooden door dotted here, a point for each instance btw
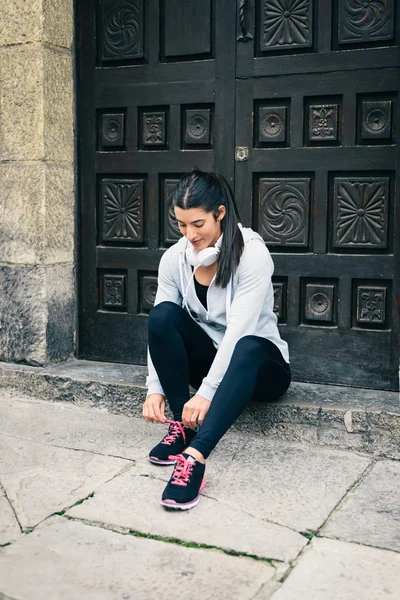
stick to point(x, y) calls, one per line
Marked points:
point(317, 113)
point(156, 97)
point(296, 103)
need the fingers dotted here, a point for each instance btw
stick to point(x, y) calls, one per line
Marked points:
point(189, 417)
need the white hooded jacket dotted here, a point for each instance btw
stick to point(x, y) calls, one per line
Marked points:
point(248, 300)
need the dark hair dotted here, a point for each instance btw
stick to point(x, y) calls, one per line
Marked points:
point(209, 191)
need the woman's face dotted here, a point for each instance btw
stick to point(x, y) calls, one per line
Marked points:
point(200, 227)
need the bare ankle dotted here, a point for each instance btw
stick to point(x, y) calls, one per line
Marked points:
point(196, 454)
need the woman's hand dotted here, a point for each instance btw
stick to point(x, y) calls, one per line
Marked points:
point(194, 411)
point(154, 408)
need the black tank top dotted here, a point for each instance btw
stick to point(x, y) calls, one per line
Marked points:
point(201, 291)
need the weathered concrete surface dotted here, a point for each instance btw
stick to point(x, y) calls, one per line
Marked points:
point(9, 527)
point(334, 570)
point(132, 501)
point(40, 479)
point(68, 560)
point(289, 483)
point(371, 512)
point(323, 415)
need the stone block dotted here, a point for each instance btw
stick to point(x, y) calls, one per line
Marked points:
point(371, 513)
point(49, 21)
point(37, 208)
point(21, 100)
point(333, 569)
point(22, 209)
point(37, 313)
point(68, 559)
point(36, 96)
point(41, 479)
point(58, 22)
point(58, 128)
point(20, 21)
point(59, 223)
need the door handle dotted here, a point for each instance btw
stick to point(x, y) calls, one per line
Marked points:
point(245, 36)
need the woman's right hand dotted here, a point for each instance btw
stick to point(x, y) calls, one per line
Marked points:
point(154, 408)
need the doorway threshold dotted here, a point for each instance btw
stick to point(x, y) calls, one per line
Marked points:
point(349, 418)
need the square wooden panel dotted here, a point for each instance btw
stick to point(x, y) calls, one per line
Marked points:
point(113, 292)
point(122, 210)
point(284, 208)
point(360, 212)
point(171, 232)
point(323, 122)
point(362, 22)
point(371, 305)
point(121, 30)
point(376, 120)
point(319, 303)
point(154, 129)
point(197, 126)
point(272, 123)
point(286, 24)
point(112, 130)
point(280, 298)
point(148, 290)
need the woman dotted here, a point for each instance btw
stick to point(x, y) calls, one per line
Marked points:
point(213, 327)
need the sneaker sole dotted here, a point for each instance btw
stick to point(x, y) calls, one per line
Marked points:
point(157, 461)
point(185, 505)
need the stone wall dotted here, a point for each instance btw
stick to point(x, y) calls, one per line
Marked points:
point(37, 183)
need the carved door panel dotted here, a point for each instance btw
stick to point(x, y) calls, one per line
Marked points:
point(317, 107)
point(156, 97)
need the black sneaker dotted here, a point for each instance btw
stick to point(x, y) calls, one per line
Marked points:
point(187, 481)
point(177, 439)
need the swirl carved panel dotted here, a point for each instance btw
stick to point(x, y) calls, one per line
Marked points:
point(112, 131)
point(376, 119)
point(122, 209)
point(286, 24)
point(360, 212)
point(114, 291)
point(364, 21)
point(121, 36)
point(371, 305)
point(284, 211)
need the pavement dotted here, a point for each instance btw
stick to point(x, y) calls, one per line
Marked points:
point(80, 516)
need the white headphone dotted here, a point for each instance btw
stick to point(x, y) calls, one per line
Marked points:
point(205, 257)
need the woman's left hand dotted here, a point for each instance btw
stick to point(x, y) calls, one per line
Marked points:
point(194, 411)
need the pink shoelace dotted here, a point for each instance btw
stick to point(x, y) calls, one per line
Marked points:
point(175, 429)
point(183, 470)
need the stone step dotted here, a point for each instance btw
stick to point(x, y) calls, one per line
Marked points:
point(343, 417)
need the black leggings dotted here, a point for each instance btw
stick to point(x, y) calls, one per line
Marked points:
point(182, 354)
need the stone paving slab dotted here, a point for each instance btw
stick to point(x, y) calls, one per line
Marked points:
point(290, 484)
point(68, 560)
point(69, 426)
point(371, 513)
point(9, 528)
point(40, 479)
point(336, 570)
point(132, 501)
